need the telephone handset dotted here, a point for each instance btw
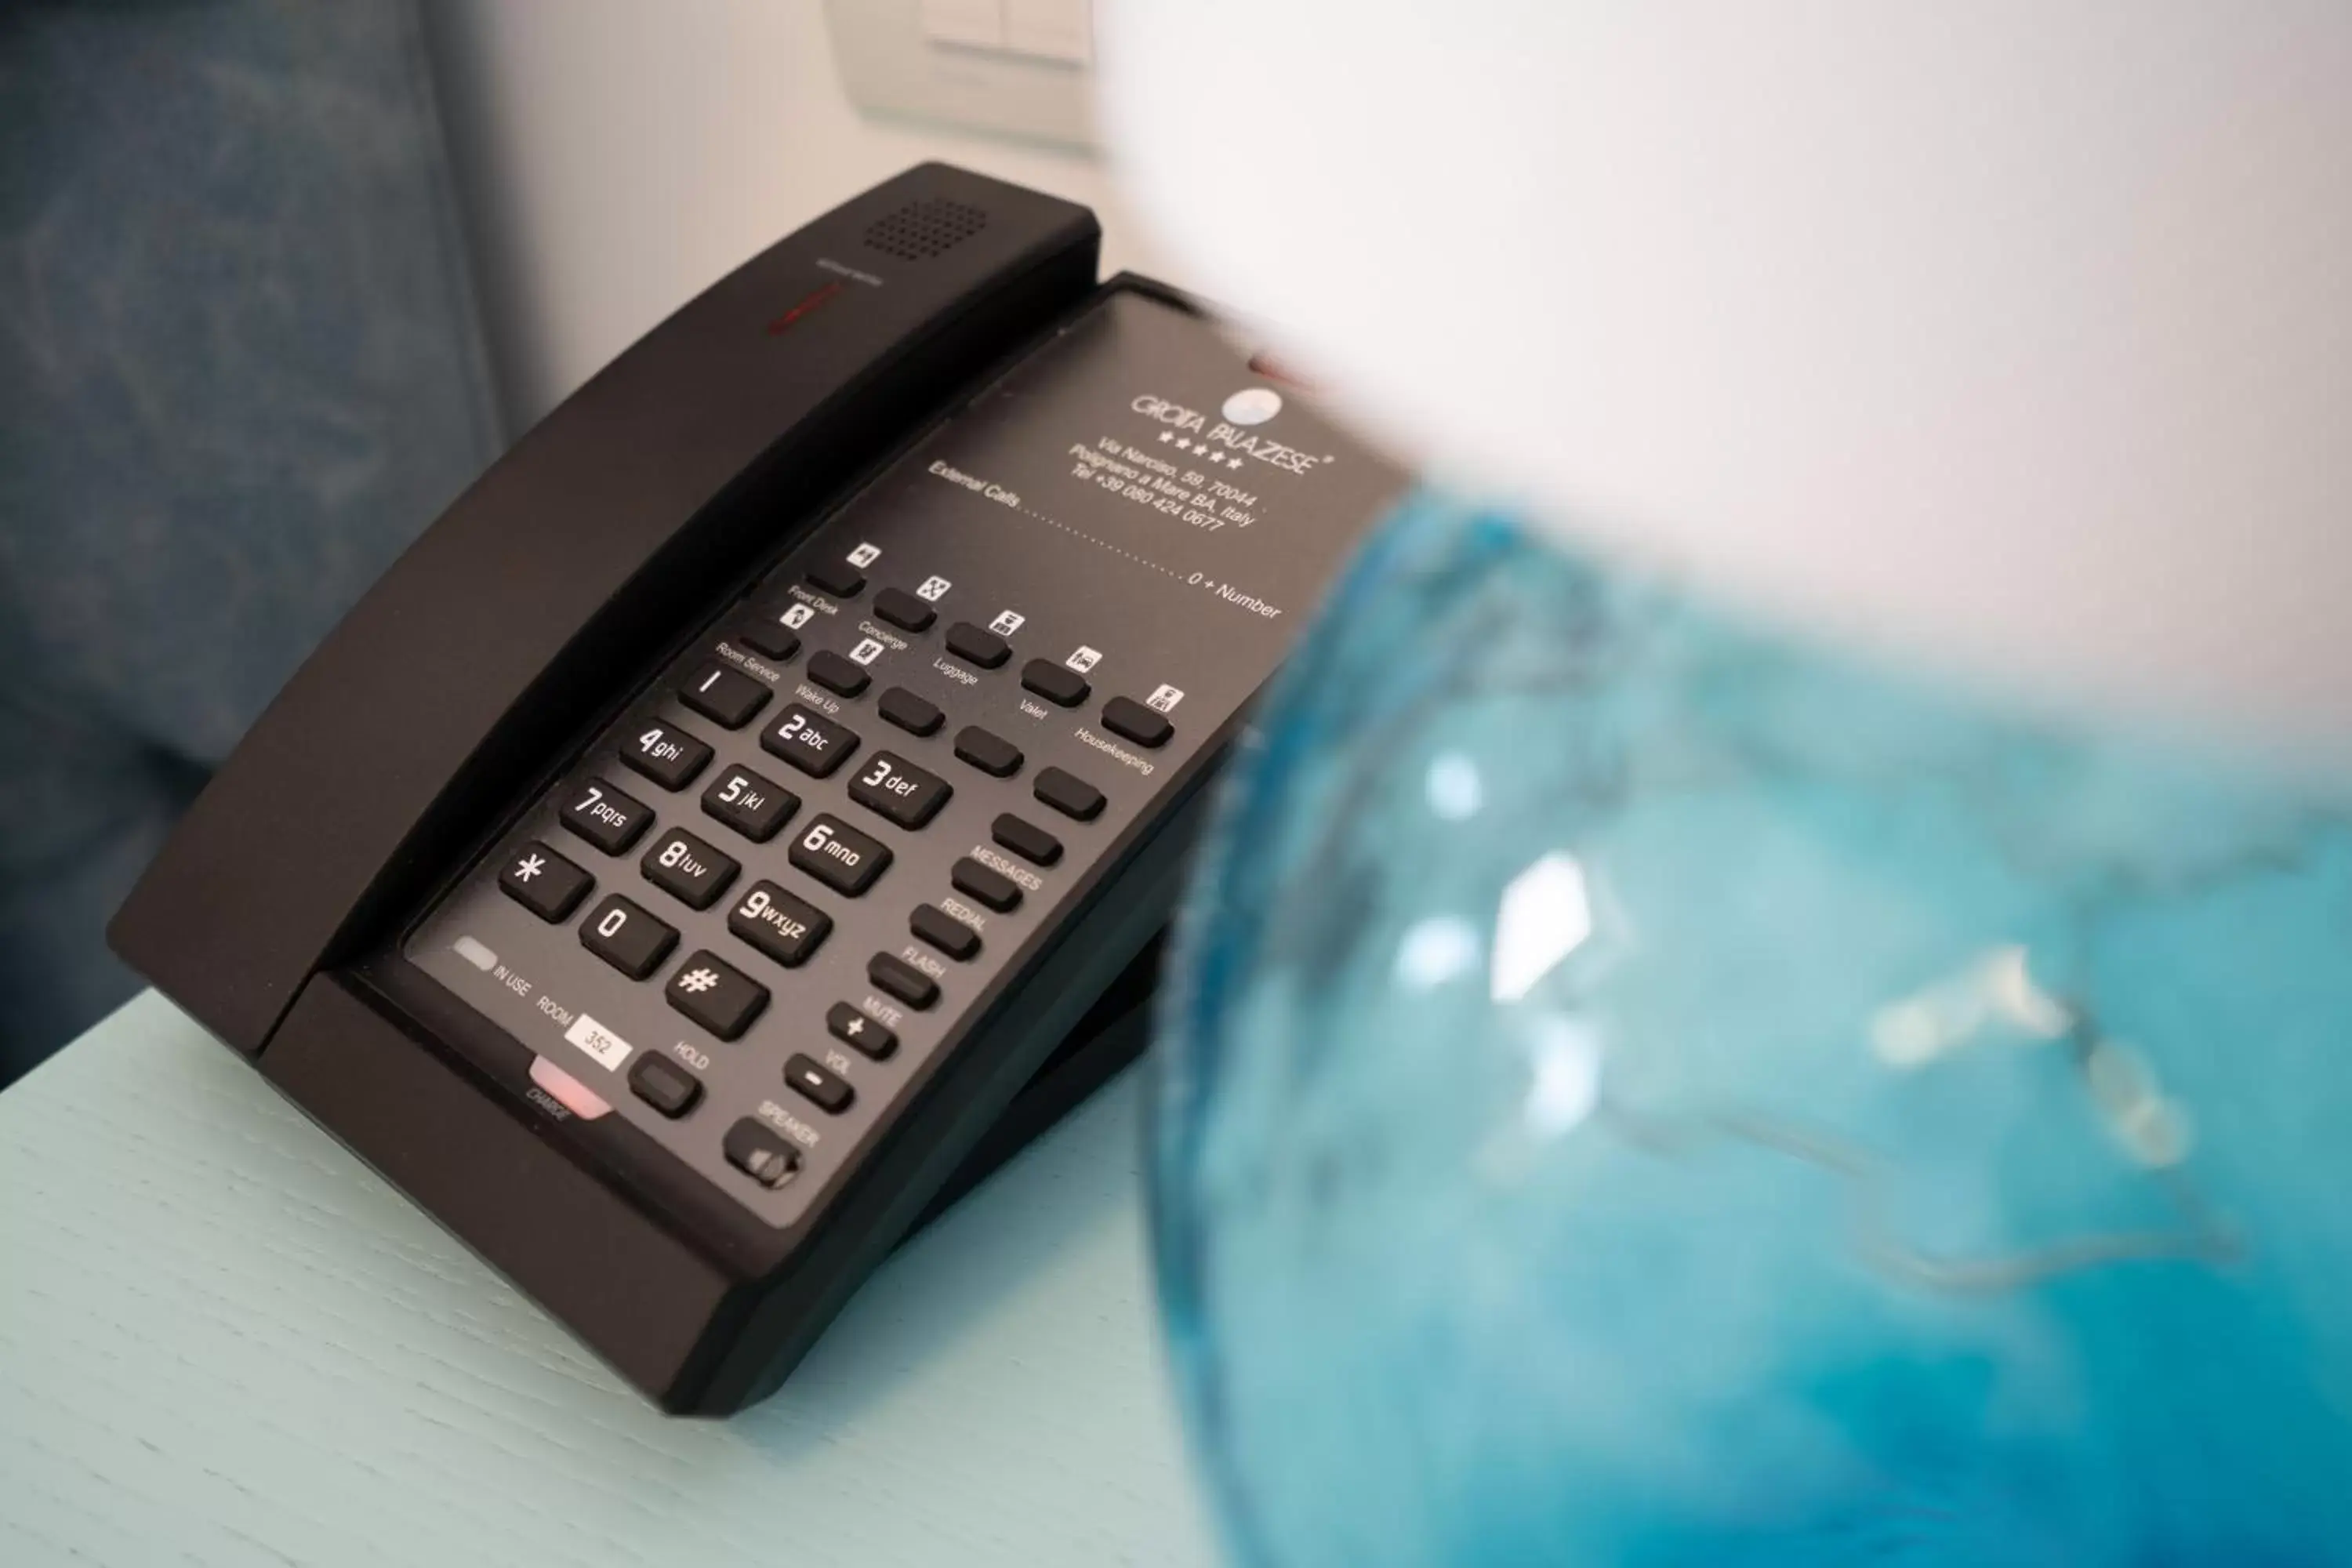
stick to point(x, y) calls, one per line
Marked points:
point(749, 812)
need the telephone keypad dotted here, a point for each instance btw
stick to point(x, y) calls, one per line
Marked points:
point(715, 994)
point(977, 644)
point(605, 817)
point(723, 695)
point(903, 610)
point(544, 882)
point(750, 802)
point(890, 785)
point(809, 741)
point(624, 934)
point(839, 856)
point(666, 755)
point(835, 673)
point(1068, 794)
point(687, 870)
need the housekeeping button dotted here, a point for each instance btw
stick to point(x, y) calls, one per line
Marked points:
point(1054, 682)
point(1126, 716)
point(756, 1150)
point(1069, 794)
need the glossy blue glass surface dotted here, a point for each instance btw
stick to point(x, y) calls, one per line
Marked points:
point(1638, 1091)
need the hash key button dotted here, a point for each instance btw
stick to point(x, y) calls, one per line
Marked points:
point(626, 937)
point(856, 1030)
point(1069, 794)
point(715, 994)
point(666, 755)
point(897, 788)
point(830, 1091)
point(1144, 726)
point(725, 696)
point(1054, 682)
point(814, 744)
point(977, 644)
point(544, 882)
point(685, 868)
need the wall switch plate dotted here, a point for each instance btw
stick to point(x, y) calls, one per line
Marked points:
point(1011, 67)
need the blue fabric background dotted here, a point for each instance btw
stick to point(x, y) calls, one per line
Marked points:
point(240, 369)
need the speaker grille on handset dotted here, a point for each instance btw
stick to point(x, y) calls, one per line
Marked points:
point(920, 230)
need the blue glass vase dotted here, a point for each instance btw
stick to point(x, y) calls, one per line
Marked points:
point(1638, 1090)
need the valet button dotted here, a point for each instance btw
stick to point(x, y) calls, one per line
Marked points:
point(1144, 726)
point(544, 882)
point(1068, 794)
point(724, 695)
point(835, 673)
point(902, 979)
point(977, 644)
point(944, 931)
point(903, 610)
point(838, 578)
point(1026, 839)
point(856, 1030)
point(910, 713)
point(756, 1150)
point(715, 994)
point(664, 1085)
point(990, 753)
point(1054, 682)
point(990, 886)
point(830, 1090)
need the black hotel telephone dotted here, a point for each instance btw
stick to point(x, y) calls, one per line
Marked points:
point(749, 814)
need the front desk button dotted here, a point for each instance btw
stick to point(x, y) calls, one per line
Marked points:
point(664, 1085)
point(1054, 682)
point(1031, 843)
point(890, 785)
point(760, 1152)
point(769, 639)
point(715, 994)
point(784, 928)
point(544, 882)
point(666, 755)
point(626, 937)
point(991, 754)
point(910, 713)
point(723, 695)
point(903, 610)
point(991, 886)
point(752, 806)
point(835, 673)
point(1144, 726)
point(839, 856)
point(687, 870)
point(838, 578)
point(1069, 794)
point(902, 979)
point(856, 1030)
point(944, 931)
point(830, 1091)
point(607, 817)
point(977, 644)
point(814, 744)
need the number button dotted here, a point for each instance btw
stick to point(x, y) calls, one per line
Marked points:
point(839, 856)
point(784, 928)
point(685, 868)
point(666, 755)
point(725, 696)
point(544, 882)
point(899, 790)
point(626, 937)
point(607, 818)
point(751, 805)
point(810, 743)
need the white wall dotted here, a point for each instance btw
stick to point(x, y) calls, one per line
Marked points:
point(618, 155)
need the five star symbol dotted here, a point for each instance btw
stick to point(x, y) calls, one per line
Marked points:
point(1231, 460)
